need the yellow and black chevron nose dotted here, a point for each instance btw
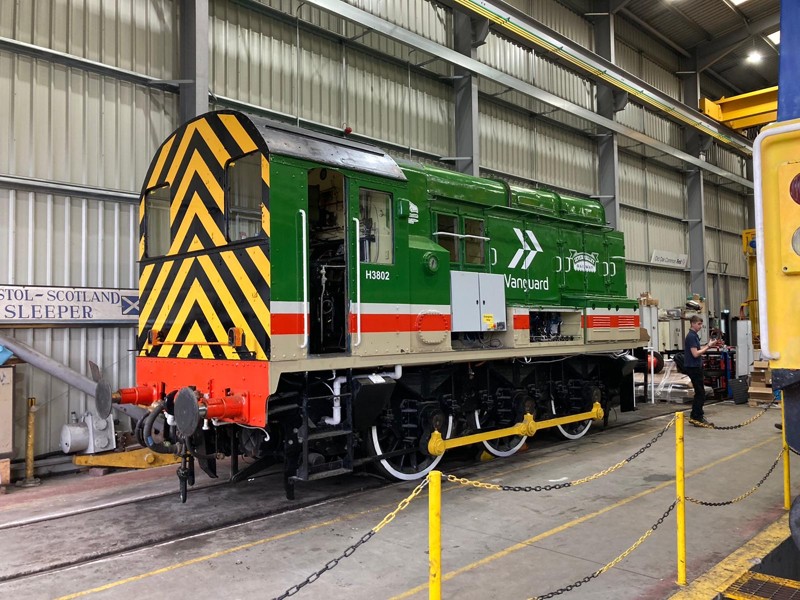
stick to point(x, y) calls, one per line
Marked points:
point(206, 284)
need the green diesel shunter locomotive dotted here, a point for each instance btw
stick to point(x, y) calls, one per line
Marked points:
point(308, 300)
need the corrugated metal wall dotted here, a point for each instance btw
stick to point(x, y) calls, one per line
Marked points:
point(67, 125)
point(725, 218)
point(653, 200)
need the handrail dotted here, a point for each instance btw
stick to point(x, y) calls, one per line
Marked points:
point(305, 280)
point(358, 282)
point(462, 236)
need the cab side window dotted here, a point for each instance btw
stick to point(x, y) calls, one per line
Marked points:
point(156, 212)
point(376, 235)
point(447, 235)
point(245, 189)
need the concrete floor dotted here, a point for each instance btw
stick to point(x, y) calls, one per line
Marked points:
point(494, 543)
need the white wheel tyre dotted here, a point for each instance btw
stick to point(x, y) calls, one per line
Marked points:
point(570, 435)
point(401, 475)
point(494, 451)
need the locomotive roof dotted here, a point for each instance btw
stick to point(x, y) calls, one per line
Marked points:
point(305, 144)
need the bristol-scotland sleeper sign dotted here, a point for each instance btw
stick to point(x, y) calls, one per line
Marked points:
point(31, 305)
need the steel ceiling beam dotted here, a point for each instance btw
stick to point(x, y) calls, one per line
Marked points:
point(520, 27)
point(686, 19)
point(408, 38)
point(712, 52)
point(614, 6)
point(193, 24)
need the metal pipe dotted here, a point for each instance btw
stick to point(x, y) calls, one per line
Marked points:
point(48, 365)
point(680, 487)
point(435, 535)
point(30, 480)
point(787, 476)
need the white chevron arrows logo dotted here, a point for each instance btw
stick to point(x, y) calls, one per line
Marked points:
point(531, 249)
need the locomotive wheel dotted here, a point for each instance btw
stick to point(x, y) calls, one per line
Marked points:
point(501, 447)
point(384, 438)
point(572, 431)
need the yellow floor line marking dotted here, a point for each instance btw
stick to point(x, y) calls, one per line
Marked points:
point(720, 577)
point(211, 556)
point(312, 527)
point(372, 510)
point(575, 522)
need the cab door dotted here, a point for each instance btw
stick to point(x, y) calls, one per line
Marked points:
point(570, 245)
point(593, 262)
point(617, 285)
point(380, 313)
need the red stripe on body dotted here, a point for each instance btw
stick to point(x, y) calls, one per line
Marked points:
point(610, 321)
point(292, 324)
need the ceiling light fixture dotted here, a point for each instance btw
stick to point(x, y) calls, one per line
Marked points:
point(754, 57)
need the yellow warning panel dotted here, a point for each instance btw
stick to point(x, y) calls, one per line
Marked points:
point(780, 185)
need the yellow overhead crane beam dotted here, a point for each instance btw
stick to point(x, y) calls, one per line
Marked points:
point(748, 110)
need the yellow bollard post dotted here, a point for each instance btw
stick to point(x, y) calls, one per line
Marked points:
point(435, 534)
point(30, 480)
point(787, 479)
point(680, 488)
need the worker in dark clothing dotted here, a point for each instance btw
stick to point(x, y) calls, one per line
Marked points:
point(693, 366)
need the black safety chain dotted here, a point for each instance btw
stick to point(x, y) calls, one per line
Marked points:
point(599, 572)
point(731, 427)
point(559, 486)
point(328, 566)
point(536, 488)
point(647, 446)
point(743, 496)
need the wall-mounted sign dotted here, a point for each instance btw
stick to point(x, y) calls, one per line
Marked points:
point(669, 259)
point(32, 305)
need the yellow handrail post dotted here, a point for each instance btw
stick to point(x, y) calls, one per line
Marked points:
point(30, 480)
point(435, 534)
point(680, 488)
point(787, 479)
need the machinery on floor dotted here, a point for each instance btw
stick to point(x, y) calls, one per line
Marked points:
point(307, 300)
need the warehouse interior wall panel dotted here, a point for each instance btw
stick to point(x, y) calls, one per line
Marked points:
point(632, 181)
point(730, 161)
point(732, 211)
point(634, 226)
point(710, 204)
point(372, 96)
point(65, 124)
point(638, 280)
point(565, 159)
point(667, 234)
point(109, 347)
point(712, 256)
point(666, 191)
point(68, 241)
point(558, 17)
point(508, 56)
point(508, 140)
point(636, 63)
point(129, 34)
point(634, 37)
point(669, 286)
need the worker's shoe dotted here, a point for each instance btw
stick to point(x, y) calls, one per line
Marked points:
point(701, 421)
point(779, 426)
